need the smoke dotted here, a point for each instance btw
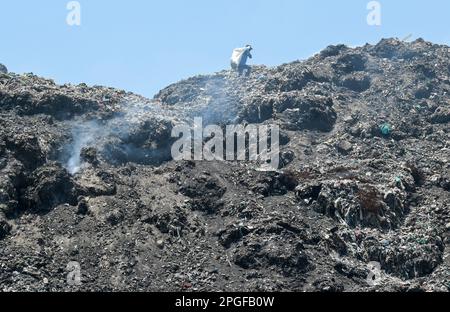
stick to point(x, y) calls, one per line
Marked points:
point(215, 103)
point(83, 135)
point(140, 132)
point(117, 138)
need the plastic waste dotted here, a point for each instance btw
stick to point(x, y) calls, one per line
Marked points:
point(386, 129)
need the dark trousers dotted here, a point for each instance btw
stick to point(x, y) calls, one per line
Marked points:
point(244, 68)
point(241, 69)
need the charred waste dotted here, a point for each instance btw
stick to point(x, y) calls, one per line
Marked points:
point(86, 175)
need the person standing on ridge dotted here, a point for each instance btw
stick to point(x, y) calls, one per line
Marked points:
point(239, 60)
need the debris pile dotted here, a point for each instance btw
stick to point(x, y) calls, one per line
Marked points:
point(86, 175)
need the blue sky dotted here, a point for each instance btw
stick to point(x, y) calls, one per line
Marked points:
point(144, 45)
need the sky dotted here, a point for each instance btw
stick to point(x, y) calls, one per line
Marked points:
point(145, 45)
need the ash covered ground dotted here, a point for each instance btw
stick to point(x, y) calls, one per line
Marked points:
point(86, 176)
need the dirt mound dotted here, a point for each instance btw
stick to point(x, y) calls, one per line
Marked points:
point(86, 175)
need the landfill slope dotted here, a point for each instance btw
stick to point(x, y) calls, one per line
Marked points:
point(86, 176)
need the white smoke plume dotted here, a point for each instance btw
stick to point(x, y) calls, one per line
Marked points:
point(97, 133)
point(83, 136)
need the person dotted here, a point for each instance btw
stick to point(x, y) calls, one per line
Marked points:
point(239, 60)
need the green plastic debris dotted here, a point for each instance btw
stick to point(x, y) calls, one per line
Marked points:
point(422, 241)
point(386, 129)
point(398, 182)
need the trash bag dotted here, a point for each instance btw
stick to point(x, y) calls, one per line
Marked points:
point(237, 58)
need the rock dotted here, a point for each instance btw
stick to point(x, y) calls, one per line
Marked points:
point(442, 115)
point(90, 155)
point(308, 191)
point(114, 217)
point(286, 158)
point(83, 207)
point(344, 147)
point(5, 228)
point(280, 255)
point(205, 191)
point(50, 186)
point(3, 69)
point(26, 148)
point(160, 243)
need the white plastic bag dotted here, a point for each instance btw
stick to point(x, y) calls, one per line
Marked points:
point(237, 55)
